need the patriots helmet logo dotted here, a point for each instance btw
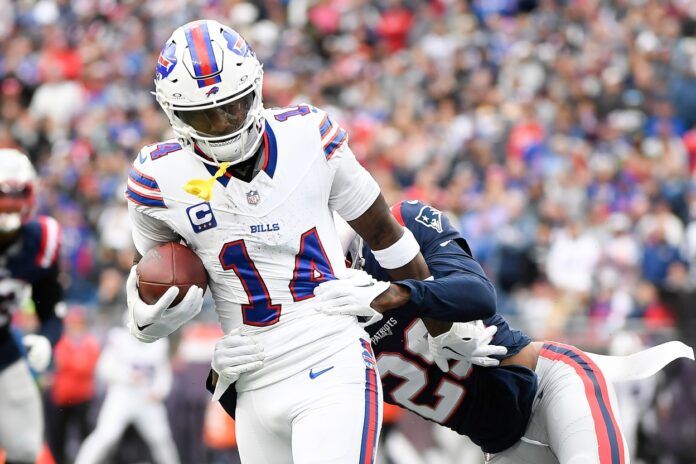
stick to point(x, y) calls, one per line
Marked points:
point(166, 61)
point(236, 43)
point(430, 217)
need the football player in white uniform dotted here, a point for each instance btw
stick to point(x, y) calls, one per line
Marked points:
point(251, 191)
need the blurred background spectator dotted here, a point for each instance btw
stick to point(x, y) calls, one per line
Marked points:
point(560, 136)
point(139, 379)
point(73, 388)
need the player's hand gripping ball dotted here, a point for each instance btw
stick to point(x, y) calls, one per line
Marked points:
point(164, 291)
point(169, 265)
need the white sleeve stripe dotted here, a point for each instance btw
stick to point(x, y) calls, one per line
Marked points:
point(144, 191)
point(49, 242)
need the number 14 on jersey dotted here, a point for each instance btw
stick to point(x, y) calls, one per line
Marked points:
point(312, 267)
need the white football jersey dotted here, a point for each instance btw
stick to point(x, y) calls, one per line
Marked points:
point(267, 243)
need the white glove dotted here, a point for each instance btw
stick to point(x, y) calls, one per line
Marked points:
point(234, 355)
point(351, 294)
point(466, 342)
point(38, 351)
point(147, 322)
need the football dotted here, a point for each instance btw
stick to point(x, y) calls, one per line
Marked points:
point(166, 265)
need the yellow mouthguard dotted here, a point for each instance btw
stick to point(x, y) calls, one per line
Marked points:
point(203, 188)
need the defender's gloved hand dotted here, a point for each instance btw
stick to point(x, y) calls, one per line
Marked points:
point(468, 342)
point(351, 294)
point(38, 351)
point(234, 354)
point(147, 322)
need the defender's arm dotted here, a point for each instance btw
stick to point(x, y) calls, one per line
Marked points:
point(378, 227)
point(458, 293)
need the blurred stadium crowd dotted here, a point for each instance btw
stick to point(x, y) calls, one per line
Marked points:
point(559, 134)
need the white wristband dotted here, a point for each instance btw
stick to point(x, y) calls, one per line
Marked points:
point(400, 253)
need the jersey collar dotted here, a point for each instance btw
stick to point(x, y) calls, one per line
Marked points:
point(270, 154)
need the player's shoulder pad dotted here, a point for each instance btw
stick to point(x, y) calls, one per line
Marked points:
point(415, 214)
point(42, 235)
point(318, 122)
point(143, 188)
point(428, 224)
point(150, 155)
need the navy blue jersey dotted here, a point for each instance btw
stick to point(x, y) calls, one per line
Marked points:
point(490, 405)
point(29, 267)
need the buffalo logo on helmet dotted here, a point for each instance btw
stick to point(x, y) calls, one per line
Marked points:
point(236, 43)
point(430, 217)
point(166, 61)
point(212, 91)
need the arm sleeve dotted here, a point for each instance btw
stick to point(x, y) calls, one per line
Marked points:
point(353, 189)
point(459, 292)
point(47, 294)
point(147, 230)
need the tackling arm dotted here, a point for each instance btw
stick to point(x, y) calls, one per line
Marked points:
point(458, 293)
point(380, 231)
point(459, 290)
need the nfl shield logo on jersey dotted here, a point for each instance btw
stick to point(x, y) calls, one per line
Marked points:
point(253, 197)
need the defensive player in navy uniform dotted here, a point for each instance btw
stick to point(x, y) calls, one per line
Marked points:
point(541, 403)
point(28, 270)
point(491, 406)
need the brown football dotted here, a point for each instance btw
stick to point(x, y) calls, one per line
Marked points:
point(166, 265)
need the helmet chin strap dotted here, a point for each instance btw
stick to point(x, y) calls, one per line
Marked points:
point(215, 152)
point(203, 188)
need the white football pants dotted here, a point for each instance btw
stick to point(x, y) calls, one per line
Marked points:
point(329, 414)
point(21, 416)
point(123, 406)
point(575, 417)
